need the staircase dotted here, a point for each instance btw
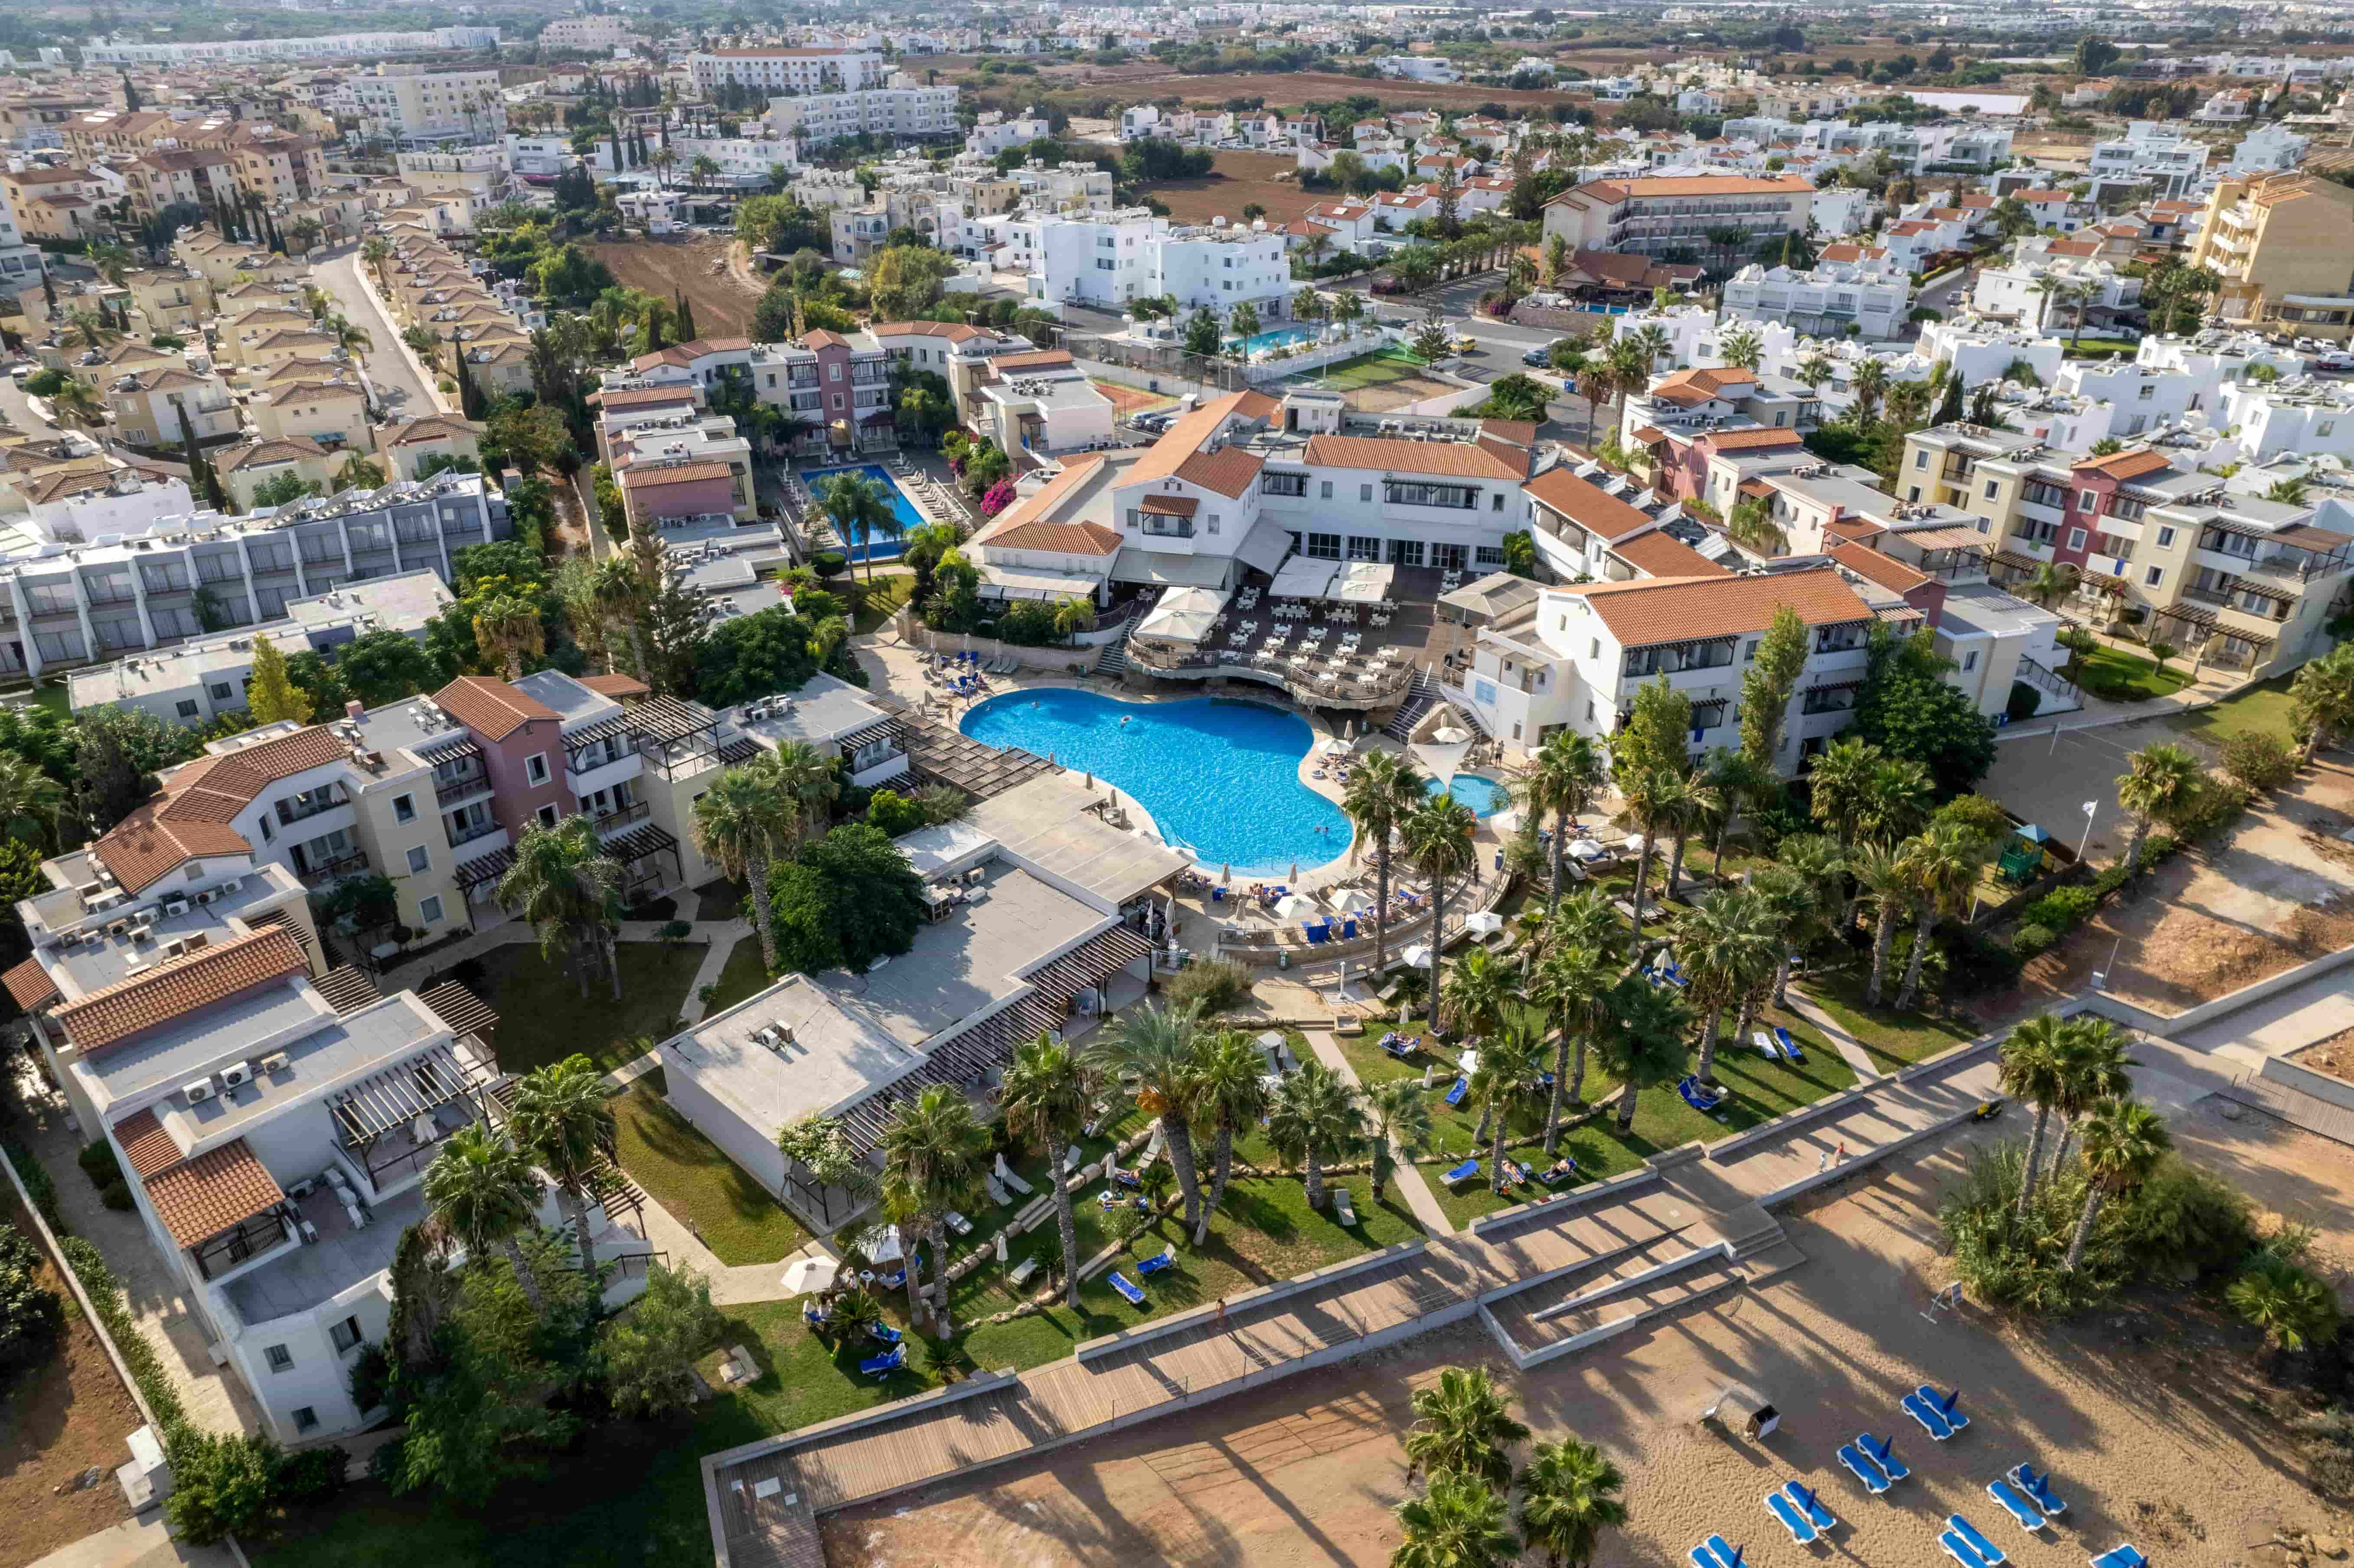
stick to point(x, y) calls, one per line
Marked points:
point(608, 1185)
point(1421, 694)
point(1113, 659)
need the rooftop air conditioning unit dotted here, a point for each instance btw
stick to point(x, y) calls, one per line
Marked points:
point(240, 1074)
point(197, 1090)
point(175, 948)
point(176, 906)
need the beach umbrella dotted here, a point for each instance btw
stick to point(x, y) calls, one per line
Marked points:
point(1418, 955)
point(1451, 734)
point(1354, 901)
point(1349, 732)
point(1271, 1040)
point(1000, 1246)
point(1485, 922)
point(1294, 906)
point(1585, 848)
point(1091, 778)
point(810, 1274)
point(882, 1243)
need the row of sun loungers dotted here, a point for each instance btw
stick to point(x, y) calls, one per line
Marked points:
point(1132, 1292)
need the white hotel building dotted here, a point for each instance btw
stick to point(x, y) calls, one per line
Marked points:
point(778, 70)
point(1120, 256)
point(895, 110)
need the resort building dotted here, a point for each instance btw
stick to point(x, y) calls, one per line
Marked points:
point(412, 103)
point(902, 109)
point(2283, 246)
point(1110, 258)
point(1041, 401)
point(1707, 431)
point(783, 70)
point(1652, 215)
point(329, 47)
point(1826, 300)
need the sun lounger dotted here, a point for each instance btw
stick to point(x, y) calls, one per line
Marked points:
point(1695, 1097)
point(1959, 1549)
point(1517, 1170)
point(1809, 1503)
point(1462, 1088)
point(1726, 1556)
point(1562, 1169)
point(1883, 1454)
point(1343, 1209)
point(1802, 1529)
point(884, 1333)
point(1789, 1044)
point(1949, 1406)
point(1128, 1287)
point(1987, 1552)
point(1764, 1044)
point(1127, 1177)
point(885, 1364)
point(1463, 1173)
point(1859, 1465)
point(2038, 1489)
point(1005, 1173)
point(1165, 1258)
point(958, 1223)
point(2029, 1517)
point(2125, 1554)
point(1020, 1272)
point(1932, 1419)
point(997, 1193)
point(1111, 1200)
point(1400, 1049)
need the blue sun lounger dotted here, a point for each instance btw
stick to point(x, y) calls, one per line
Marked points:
point(1987, 1552)
point(1695, 1096)
point(1783, 1038)
point(1811, 1503)
point(2125, 1554)
point(1165, 1258)
point(2029, 1517)
point(1940, 1415)
point(885, 1364)
point(1802, 1529)
point(1883, 1454)
point(884, 1333)
point(1714, 1553)
point(1463, 1173)
point(1454, 1096)
point(1860, 1465)
point(1128, 1287)
point(2038, 1489)
point(1963, 1554)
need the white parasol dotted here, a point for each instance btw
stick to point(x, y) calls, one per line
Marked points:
point(1294, 906)
point(1418, 955)
point(1450, 734)
point(1486, 922)
point(807, 1274)
point(1354, 901)
point(882, 1243)
point(1585, 848)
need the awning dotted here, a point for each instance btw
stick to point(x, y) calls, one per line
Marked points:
point(1304, 577)
point(460, 1009)
point(1264, 550)
point(1014, 582)
point(1493, 595)
point(472, 873)
point(398, 1096)
point(1183, 615)
point(1363, 582)
point(1135, 564)
point(346, 989)
point(1948, 538)
point(639, 843)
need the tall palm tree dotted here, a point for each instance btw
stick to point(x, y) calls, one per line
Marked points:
point(620, 591)
point(2093, 1066)
point(91, 329)
point(1151, 1054)
point(1459, 1521)
point(1479, 986)
point(1230, 1093)
point(1866, 388)
point(1438, 838)
point(1725, 943)
point(507, 629)
point(349, 336)
point(1651, 795)
point(481, 1189)
point(376, 252)
point(1742, 348)
point(1564, 778)
point(1049, 1091)
point(2027, 1069)
point(30, 799)
point(564, 1121)
point(2048, 582)
point(1463, 1422)
point(1569, 1496)
point(1570, 986)
point(1383, 791)
point(1504, 1081)
point(2124, 1141)
point(2159, 784)
point(1685, 811)
point(2321, 700)
point(563, 885)
point(935, 1158)
point(1793, 900)
point(1312, 1118)
point(1644, 1039)
point(358, 473)
point(808, 779)
point(1840, 783)
point(859, 512)
point(77, 401)
point(1400, 1114)
point(1881, 876)
point(738, 823)
point(1942, 865)
point(1895, 800)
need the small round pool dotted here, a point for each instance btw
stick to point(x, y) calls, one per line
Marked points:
point(1218, 778)
point(1477, 791)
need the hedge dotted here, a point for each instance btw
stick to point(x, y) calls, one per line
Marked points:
point(146, 1369)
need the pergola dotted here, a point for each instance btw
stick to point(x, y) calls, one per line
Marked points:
point(402, 1099)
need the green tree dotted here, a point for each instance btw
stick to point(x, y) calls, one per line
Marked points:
point(2161, 783)
point(481, 1189)
point(859, 512)
point(2296, 1309)
point(1655, 737)
point(1643, 1040)
point(2124, 1141)
point(1504, 1082)
point(1943, 865)
point(1882, 877)
point(738, 823)
point(32, 804)
point(1725, 943)
point(2321, 700)
point(1382, 791)
point(1907, 709)
point(507, 630)
point(1766, 687)
point(1203, 336)
point(845, 900)
point(116, 757)
point(1049, 1091)
point(1230, 1093)
point(1399, 1113)
point(1569, 1496)
point(563, 1120)
point(564, 886)
point(1463, 1424)
point(1437, 837)
point(650, 1350)
point(1459, 1521)
point(1570, 986)
point(1313, 1117)
point(935, 1154)
point(1151, 1056)
point(2029, 1071)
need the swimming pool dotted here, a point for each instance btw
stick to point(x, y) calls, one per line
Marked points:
point(1280, 337)
point(901, 507)
point(1482, 794)
point(1219, 778)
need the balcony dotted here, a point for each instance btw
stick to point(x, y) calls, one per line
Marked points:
point(311, 803)
point(621, 817)
point(882, 769)
point(320, 874)
point(584, 783)
point(449, 792)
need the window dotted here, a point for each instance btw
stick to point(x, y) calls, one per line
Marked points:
point(345, 1335)
point(404, 809)
point(2075, 538)
point(2087, 502)
point(1990, 488)
point(306, 1419)
point(1913, 492)
point(2165, 539)
point(1497, 500)
point(1921, 459)
point(280, 1359)
point(2157, 575)
point(535, 768)
point(1285, 484)
point(1324, 546)
point(1365, 493)
point(1749, 649)
point(428, 909)
point(1970, 661)
point(1324, 489)
point(547, 816)
point(188, 707)
point(417, 859)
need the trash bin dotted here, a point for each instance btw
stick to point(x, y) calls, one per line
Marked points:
point(1283, 960)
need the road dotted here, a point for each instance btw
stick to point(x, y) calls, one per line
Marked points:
point(388, 367)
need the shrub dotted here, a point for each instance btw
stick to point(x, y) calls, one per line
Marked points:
point(2185, 1221)
point(1978, 963)
point(2260, 760)
point(31, 1314)
point(676, 931)
point(115, 1195)
point(2109, 878)
point(371, 1380)
point(312, 1476)
point(2030, 940)
point(2022, 703)
point(2060, 910)
point(2011, 1263)
point(893, 813)
point(830, 563)
point(105, 1293)
point(220, 1486)
point(2218, 804)
point(36, 1177)
point(1219, 986)
point(98, 1162)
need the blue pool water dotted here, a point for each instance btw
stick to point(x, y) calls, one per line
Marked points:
point(1220, 777)
point(1482, 794)
point(1280, 337)
point(901, 507)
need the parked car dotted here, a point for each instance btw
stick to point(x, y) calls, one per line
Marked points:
point(1538, 358)
point(2336, 359)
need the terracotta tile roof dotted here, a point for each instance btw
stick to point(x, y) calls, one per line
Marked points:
point(954, 332)
point(642, 396)
point(261, 454)
point(639, 478)
point(198, 1199)
point(493, 707)
point(821, 338)
point(1660, 555)
point(2128, 465)
point(1648, 435)
point(1041, 359)
point(143, 1140)
point(30, 984)
point(1446, 459)
point(1171, 506)
point(430, 428)
point(616, 685)
point(1750, 441)
point(127, 1009)
point(1688, 186)
point(1678, 609)
point(142, 849)
point(1886, 570)
point(1701, 386)
point(1185, 438)
point(1229, 470)
point(1587, 505)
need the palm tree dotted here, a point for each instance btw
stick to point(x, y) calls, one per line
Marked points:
point(348, 336)
point(1569, 1496)
point(1815, 369)
point(30, 799)
point(620, 591)
point(1504, 1081)
point(1048, 1093)
point(1881, 876)
point(358, 473)
point(1942, 866)
point(564, 1120)
point(1650, 796)
point(1230, 1093)
point(859, 512)
point(1895, 800)
point(1796, 893)
point(376, 252)
point(1151, 1054)
point(935, 1156)
point(1478, 987)
point(507, 628)
point(1742, 348)
point(2297, 1310)
point(78, 402)
point(1685, 810)
point(1840, 784)
point(2159, 784)
point(1400, 1115)
point(738, 824)
point(2124, 1141)
point(481, 1189)
point(808, 779)
point(1383, 791)
point(2322, 700)
point(1438, 838)
point(1463, 1423)
point(1564, 778)
point(2093, 1067)
point(1643, 1040)
point(1459, 1523)
point(2048, 582)
point(562, 884)
point(2029, 1071)
point(1570, 986)
point(91, 329)
point(1314, 1117)
point(1725, 943)
point(1866, 388)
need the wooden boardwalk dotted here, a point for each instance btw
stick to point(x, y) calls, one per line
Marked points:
point(1704, 1204)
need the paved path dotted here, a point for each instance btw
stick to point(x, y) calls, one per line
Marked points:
point(140, 1542)
point(1849, 1046)
point(1409, 1175)
point(390, 365)
point(2287, 1021)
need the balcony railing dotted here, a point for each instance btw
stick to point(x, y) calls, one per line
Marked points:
point(473, 831)
point(302, 807)
point(349, 865)
point(243, 1242)
point(459, 789)
point(635, 812)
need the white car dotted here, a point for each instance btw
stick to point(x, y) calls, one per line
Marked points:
point(2336, 359)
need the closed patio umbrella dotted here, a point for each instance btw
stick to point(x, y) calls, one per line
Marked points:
point(1294, 873)
point(1227, 874)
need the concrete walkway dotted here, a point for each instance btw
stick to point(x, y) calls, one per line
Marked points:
point(1850, 1047)
point(1407, 1175)
point(140, 1542)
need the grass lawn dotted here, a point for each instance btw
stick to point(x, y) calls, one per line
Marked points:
point(745, 975)
point(2140, 679)
point(686, 1173)
point(1369, 370)
point(883, 600)
point(543, 1017)
point(2091, 346)
point(2263, 707)
point(54, 697)
point(1891, 1039)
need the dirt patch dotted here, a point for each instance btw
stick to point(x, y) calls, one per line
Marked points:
point(1128, 400)
point(57, 1424)
point(1237, 179)
point(723, 302)
point(2332, 1058)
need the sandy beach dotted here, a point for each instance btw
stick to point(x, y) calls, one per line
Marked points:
point(2147, 1412)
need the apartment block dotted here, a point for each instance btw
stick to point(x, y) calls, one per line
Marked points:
point(780, 70)
point(328, 46)
point(1825, 299)
point(1651, 215)
point(2283, 246)
point(813, 119)
point(417, 103)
